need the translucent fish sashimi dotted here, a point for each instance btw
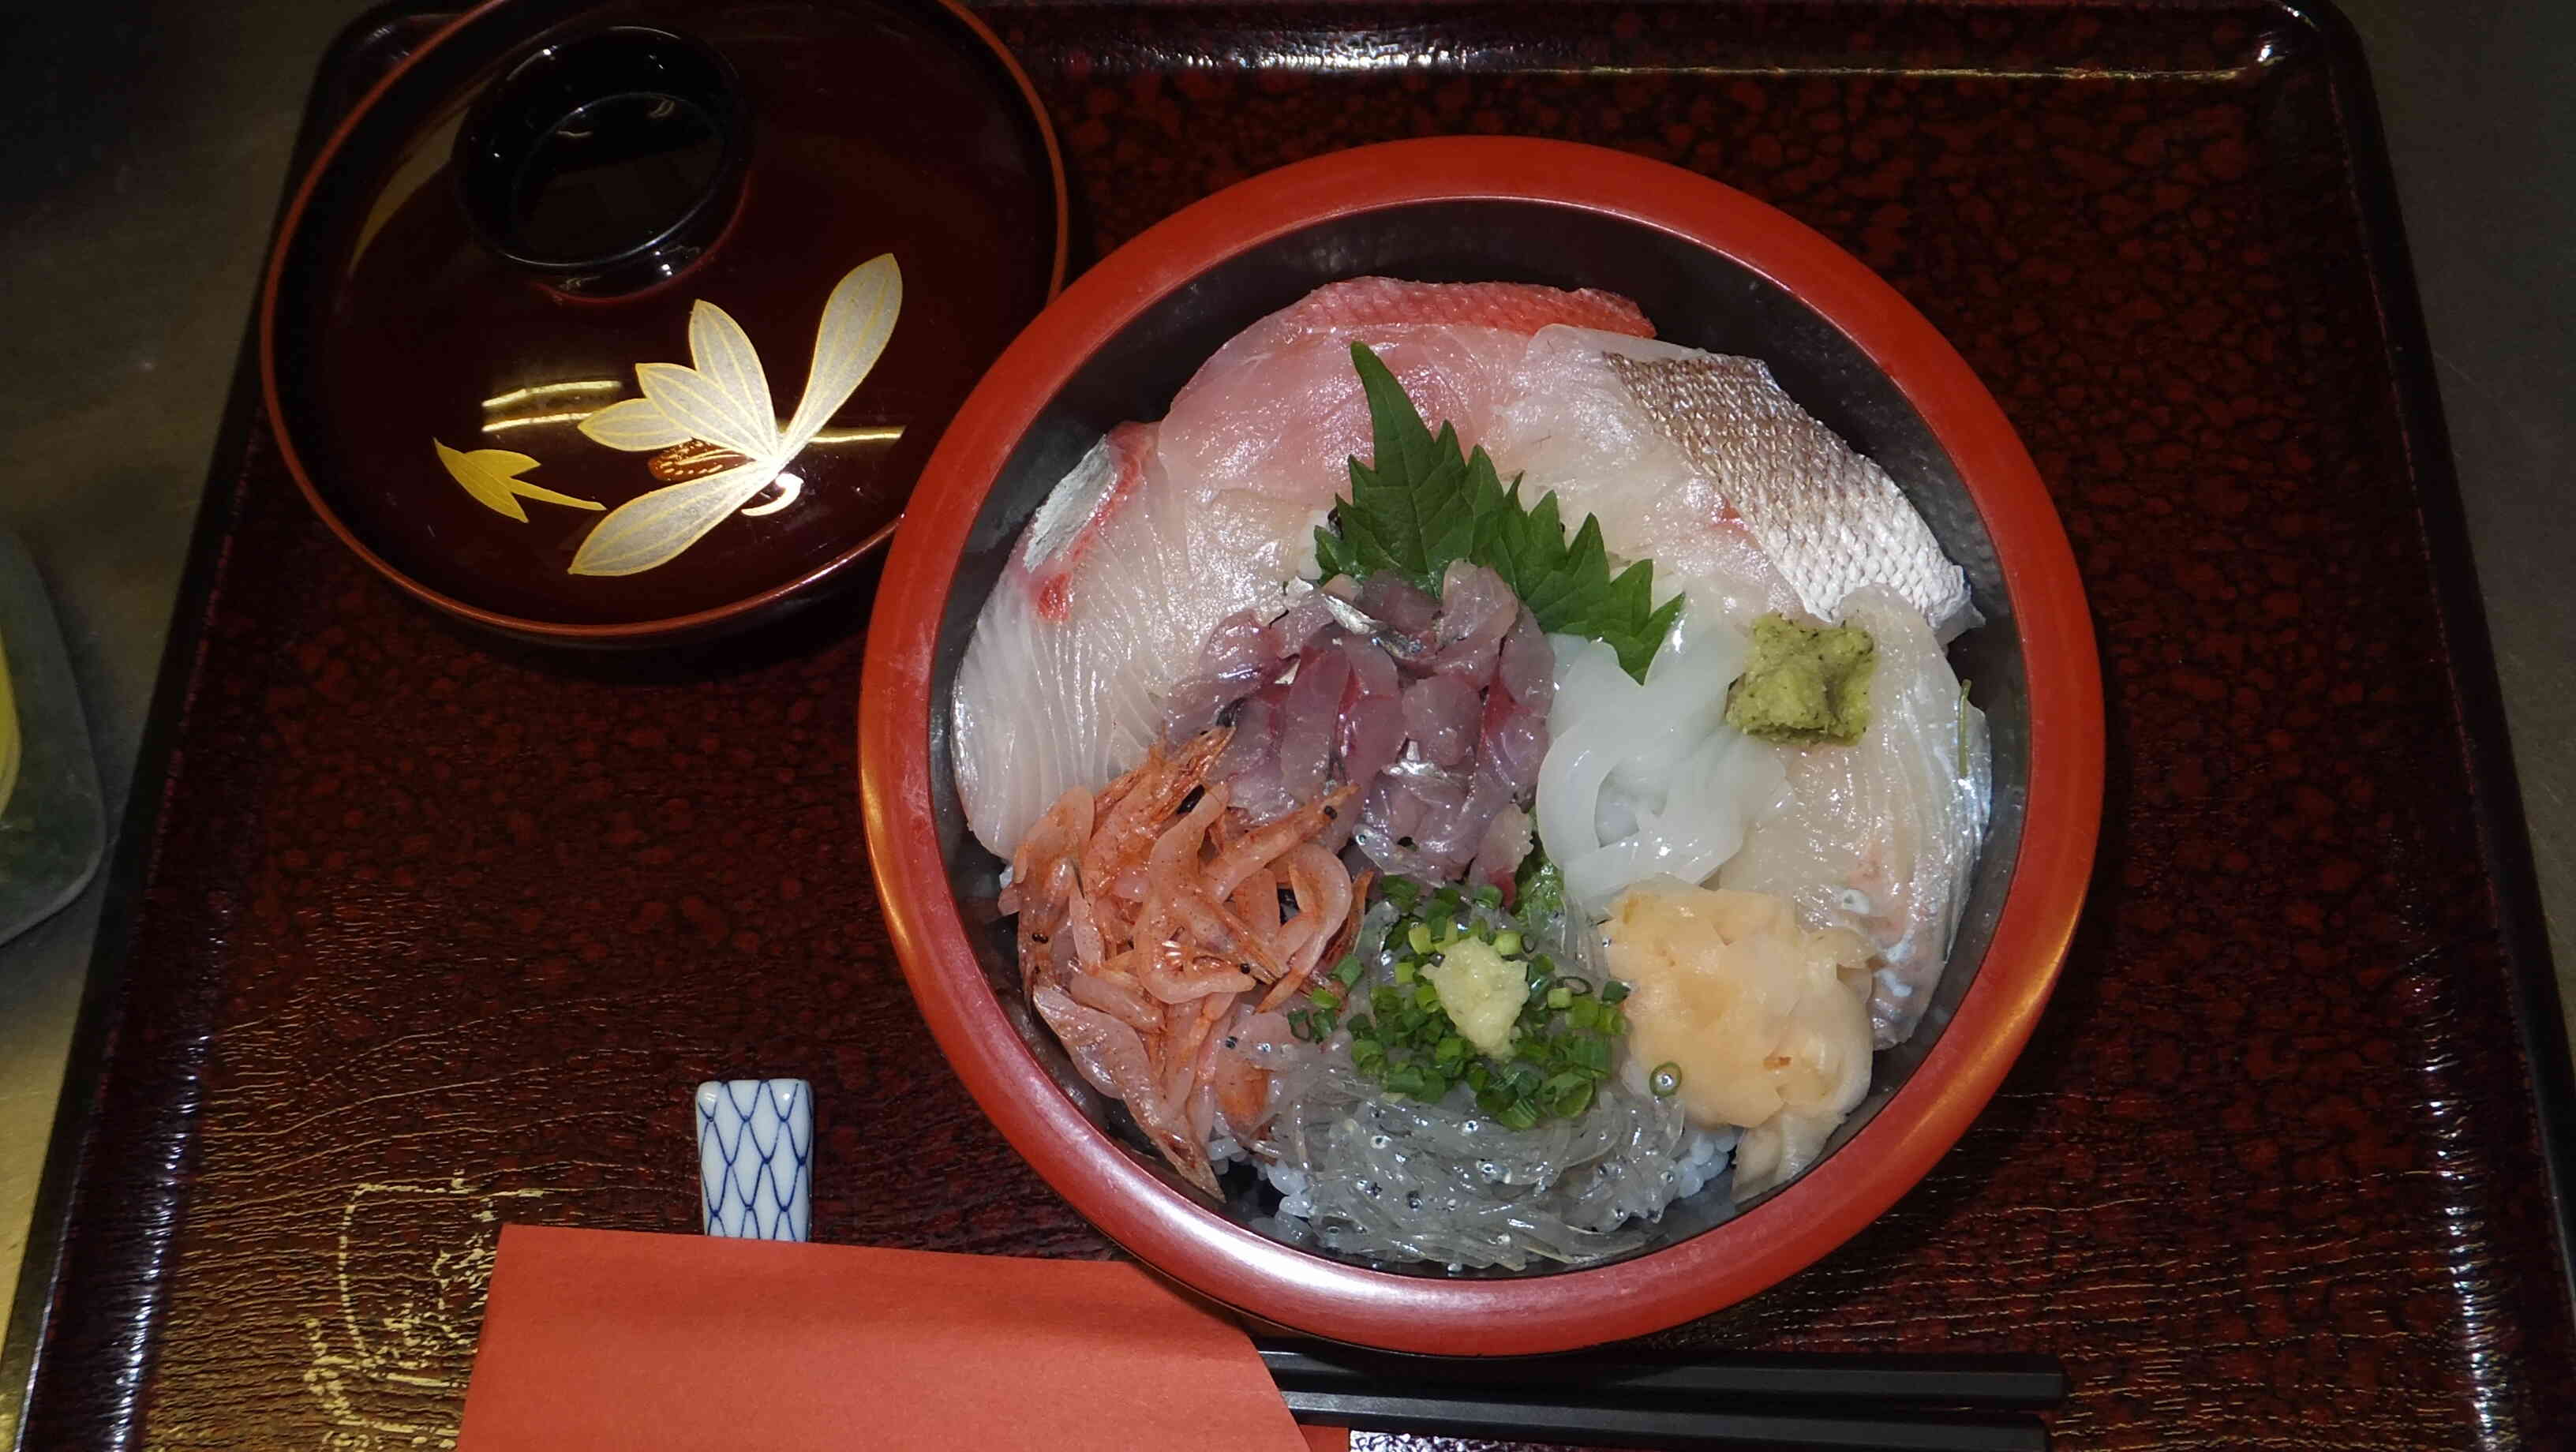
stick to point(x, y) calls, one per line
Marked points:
point(1881, 836)
point(1101, 608)
point(1349, 308)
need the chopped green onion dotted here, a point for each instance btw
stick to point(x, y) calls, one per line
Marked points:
point(1401, 1038)
point(1567, 1094)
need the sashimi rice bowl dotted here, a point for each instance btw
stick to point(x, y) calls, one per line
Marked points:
point(1482, 741)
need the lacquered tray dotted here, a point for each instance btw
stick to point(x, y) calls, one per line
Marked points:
point(414, 932)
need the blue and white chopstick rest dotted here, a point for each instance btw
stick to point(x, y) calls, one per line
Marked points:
point(756, 1157)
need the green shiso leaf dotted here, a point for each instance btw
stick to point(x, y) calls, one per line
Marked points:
point(1424, 501)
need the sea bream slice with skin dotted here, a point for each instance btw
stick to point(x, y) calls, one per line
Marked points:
point(1572, 428)
point(1705, 465)
point(1827, 517)
point(1163, 530)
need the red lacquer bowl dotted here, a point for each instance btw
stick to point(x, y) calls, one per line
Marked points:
point(1714, 269)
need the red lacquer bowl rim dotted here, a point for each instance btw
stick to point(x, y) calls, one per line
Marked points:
point(623, 632)
point(1569, 1309)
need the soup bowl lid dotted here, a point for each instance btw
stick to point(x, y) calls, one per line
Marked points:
point(601, 322)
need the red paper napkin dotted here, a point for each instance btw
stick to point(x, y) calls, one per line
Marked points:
point(677, 1343)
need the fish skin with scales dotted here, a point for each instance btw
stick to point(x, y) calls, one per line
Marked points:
point(1830, 520)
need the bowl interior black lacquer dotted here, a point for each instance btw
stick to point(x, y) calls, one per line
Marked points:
point(1695, 297)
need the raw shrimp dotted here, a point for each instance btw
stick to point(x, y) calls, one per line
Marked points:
point(1149, 915)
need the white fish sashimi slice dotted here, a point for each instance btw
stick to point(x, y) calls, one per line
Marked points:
point(1703, 464)
point(1573, 428)
point(1881, 836)
point(1102, 608)
point(1829, 519)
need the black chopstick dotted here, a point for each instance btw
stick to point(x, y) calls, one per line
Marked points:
point(1662, 1424)
point(2030, 1383)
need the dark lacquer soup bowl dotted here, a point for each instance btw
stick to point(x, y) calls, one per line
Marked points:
point(1714, 269)
point(631, 322)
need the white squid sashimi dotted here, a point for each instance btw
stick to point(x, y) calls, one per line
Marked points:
point(1645, 781)
point(1881, 836)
